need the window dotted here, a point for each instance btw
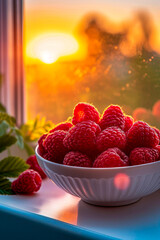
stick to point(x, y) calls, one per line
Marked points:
point(11, 58)
point(98, 51)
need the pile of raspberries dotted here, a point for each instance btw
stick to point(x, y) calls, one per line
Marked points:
point(109, 140)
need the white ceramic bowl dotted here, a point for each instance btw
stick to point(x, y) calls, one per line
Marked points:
point(104, 186)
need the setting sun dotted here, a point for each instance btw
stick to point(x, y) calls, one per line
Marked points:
point(49, 47)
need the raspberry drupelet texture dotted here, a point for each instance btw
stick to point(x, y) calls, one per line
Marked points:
point(128, 123)
point(111, 137)
point(32, 161)
point(158, 149)
point(141, 135)
point(143, 155)
point(53, 144)
point(111, 158)
point(62, 126)
point(112, 116)
point(77, 159)
point(158, 132)
point(51, 158)
point(82, 137)
point(28, 182)
point(83, 112)
point(122, 155)
point(40, 144)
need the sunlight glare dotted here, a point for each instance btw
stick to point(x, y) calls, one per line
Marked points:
point(47, 57)
point(49, 47)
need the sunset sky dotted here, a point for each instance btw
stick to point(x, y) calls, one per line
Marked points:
point(62, 16)
point(54, 85)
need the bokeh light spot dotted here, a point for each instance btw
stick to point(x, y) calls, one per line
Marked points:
point(121, 181)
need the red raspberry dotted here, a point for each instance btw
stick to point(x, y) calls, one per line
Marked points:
point(51, 158)
point(54, 145)
point(112, 116)
point(77, 159)
point(83, 112)
point(141, 135)
point(62, 126)
point(111, 158)
point(32, 161)
point(158, 132)
point(40, 144)
point(122, 155)
point(158, 148)
point(28, 181)
point(143, 155)
point(111, 137)
point(128, 123)
point(82, 137)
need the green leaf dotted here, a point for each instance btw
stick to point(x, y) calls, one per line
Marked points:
point(7, 118)
point(12, 166)
point(6, 141)
point(6, 192)
point(2, 108)
point(3, 127)
point(19, 138)
point(29, 149)
point(20, 141)
point(5, 186)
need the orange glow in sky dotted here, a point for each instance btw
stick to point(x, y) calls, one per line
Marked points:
point(49, 47)
point(59, 19)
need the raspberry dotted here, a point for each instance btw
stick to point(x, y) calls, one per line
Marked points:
point(40, 144)
point(83, 112)
point(82, 137)
point(141, 135)
point(32, 161)
point(158, 148)
point(112, 116)
point(93, 154)
point(51, 158)
point(122, 155)
point(111, 158)
point(128, 123)
point(77, 159)
point(158, 132)
point(143, 155)
point(28, 181)
point(54, 145)
point(62, 126)
point(111, 137)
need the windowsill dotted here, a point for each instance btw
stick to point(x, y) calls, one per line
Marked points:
point(136, 221)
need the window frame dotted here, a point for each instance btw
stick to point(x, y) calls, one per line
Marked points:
point(11, 58)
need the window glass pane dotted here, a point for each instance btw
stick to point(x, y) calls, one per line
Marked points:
point(97, 51)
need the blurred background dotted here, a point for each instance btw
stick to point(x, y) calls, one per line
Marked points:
point(102, 52)
point(55, 53)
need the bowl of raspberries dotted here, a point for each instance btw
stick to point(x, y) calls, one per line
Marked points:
point(105, 159)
